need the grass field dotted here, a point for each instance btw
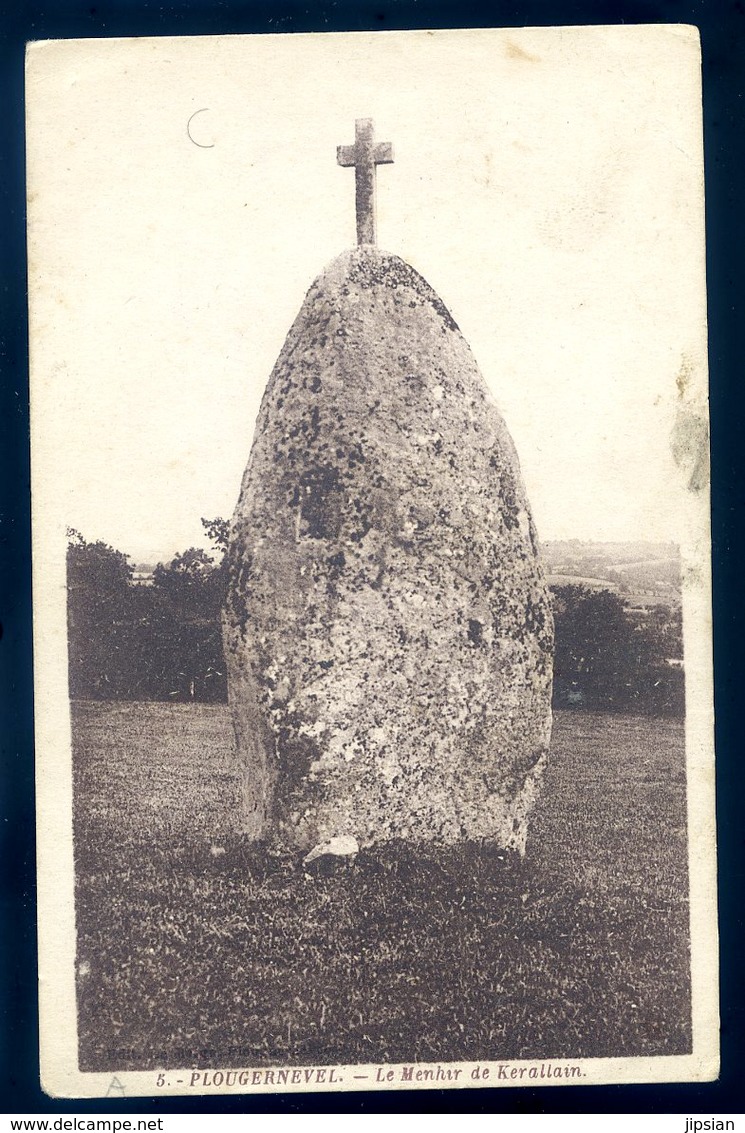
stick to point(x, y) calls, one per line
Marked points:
point(196, 950)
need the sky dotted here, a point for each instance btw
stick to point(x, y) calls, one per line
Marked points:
point(547, 183)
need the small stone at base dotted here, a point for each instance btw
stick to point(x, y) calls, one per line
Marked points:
point(343, 846)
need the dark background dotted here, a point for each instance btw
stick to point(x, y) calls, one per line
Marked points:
point(722, 26)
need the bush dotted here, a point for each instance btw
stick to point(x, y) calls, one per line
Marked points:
point(159, 642)
point(606, 661)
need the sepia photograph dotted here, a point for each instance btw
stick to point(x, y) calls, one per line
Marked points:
point(372, 605)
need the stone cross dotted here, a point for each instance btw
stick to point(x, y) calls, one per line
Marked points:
point(364, 155)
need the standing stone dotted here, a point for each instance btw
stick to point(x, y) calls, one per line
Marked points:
point(388, 631)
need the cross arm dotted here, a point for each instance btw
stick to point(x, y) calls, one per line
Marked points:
point(346, 155)
point(382, 154)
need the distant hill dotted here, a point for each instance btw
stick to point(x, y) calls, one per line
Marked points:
point(637, 570)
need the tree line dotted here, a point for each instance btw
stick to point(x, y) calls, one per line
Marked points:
point(163, 641)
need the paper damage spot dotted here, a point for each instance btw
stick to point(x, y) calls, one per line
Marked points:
point(690, 448)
